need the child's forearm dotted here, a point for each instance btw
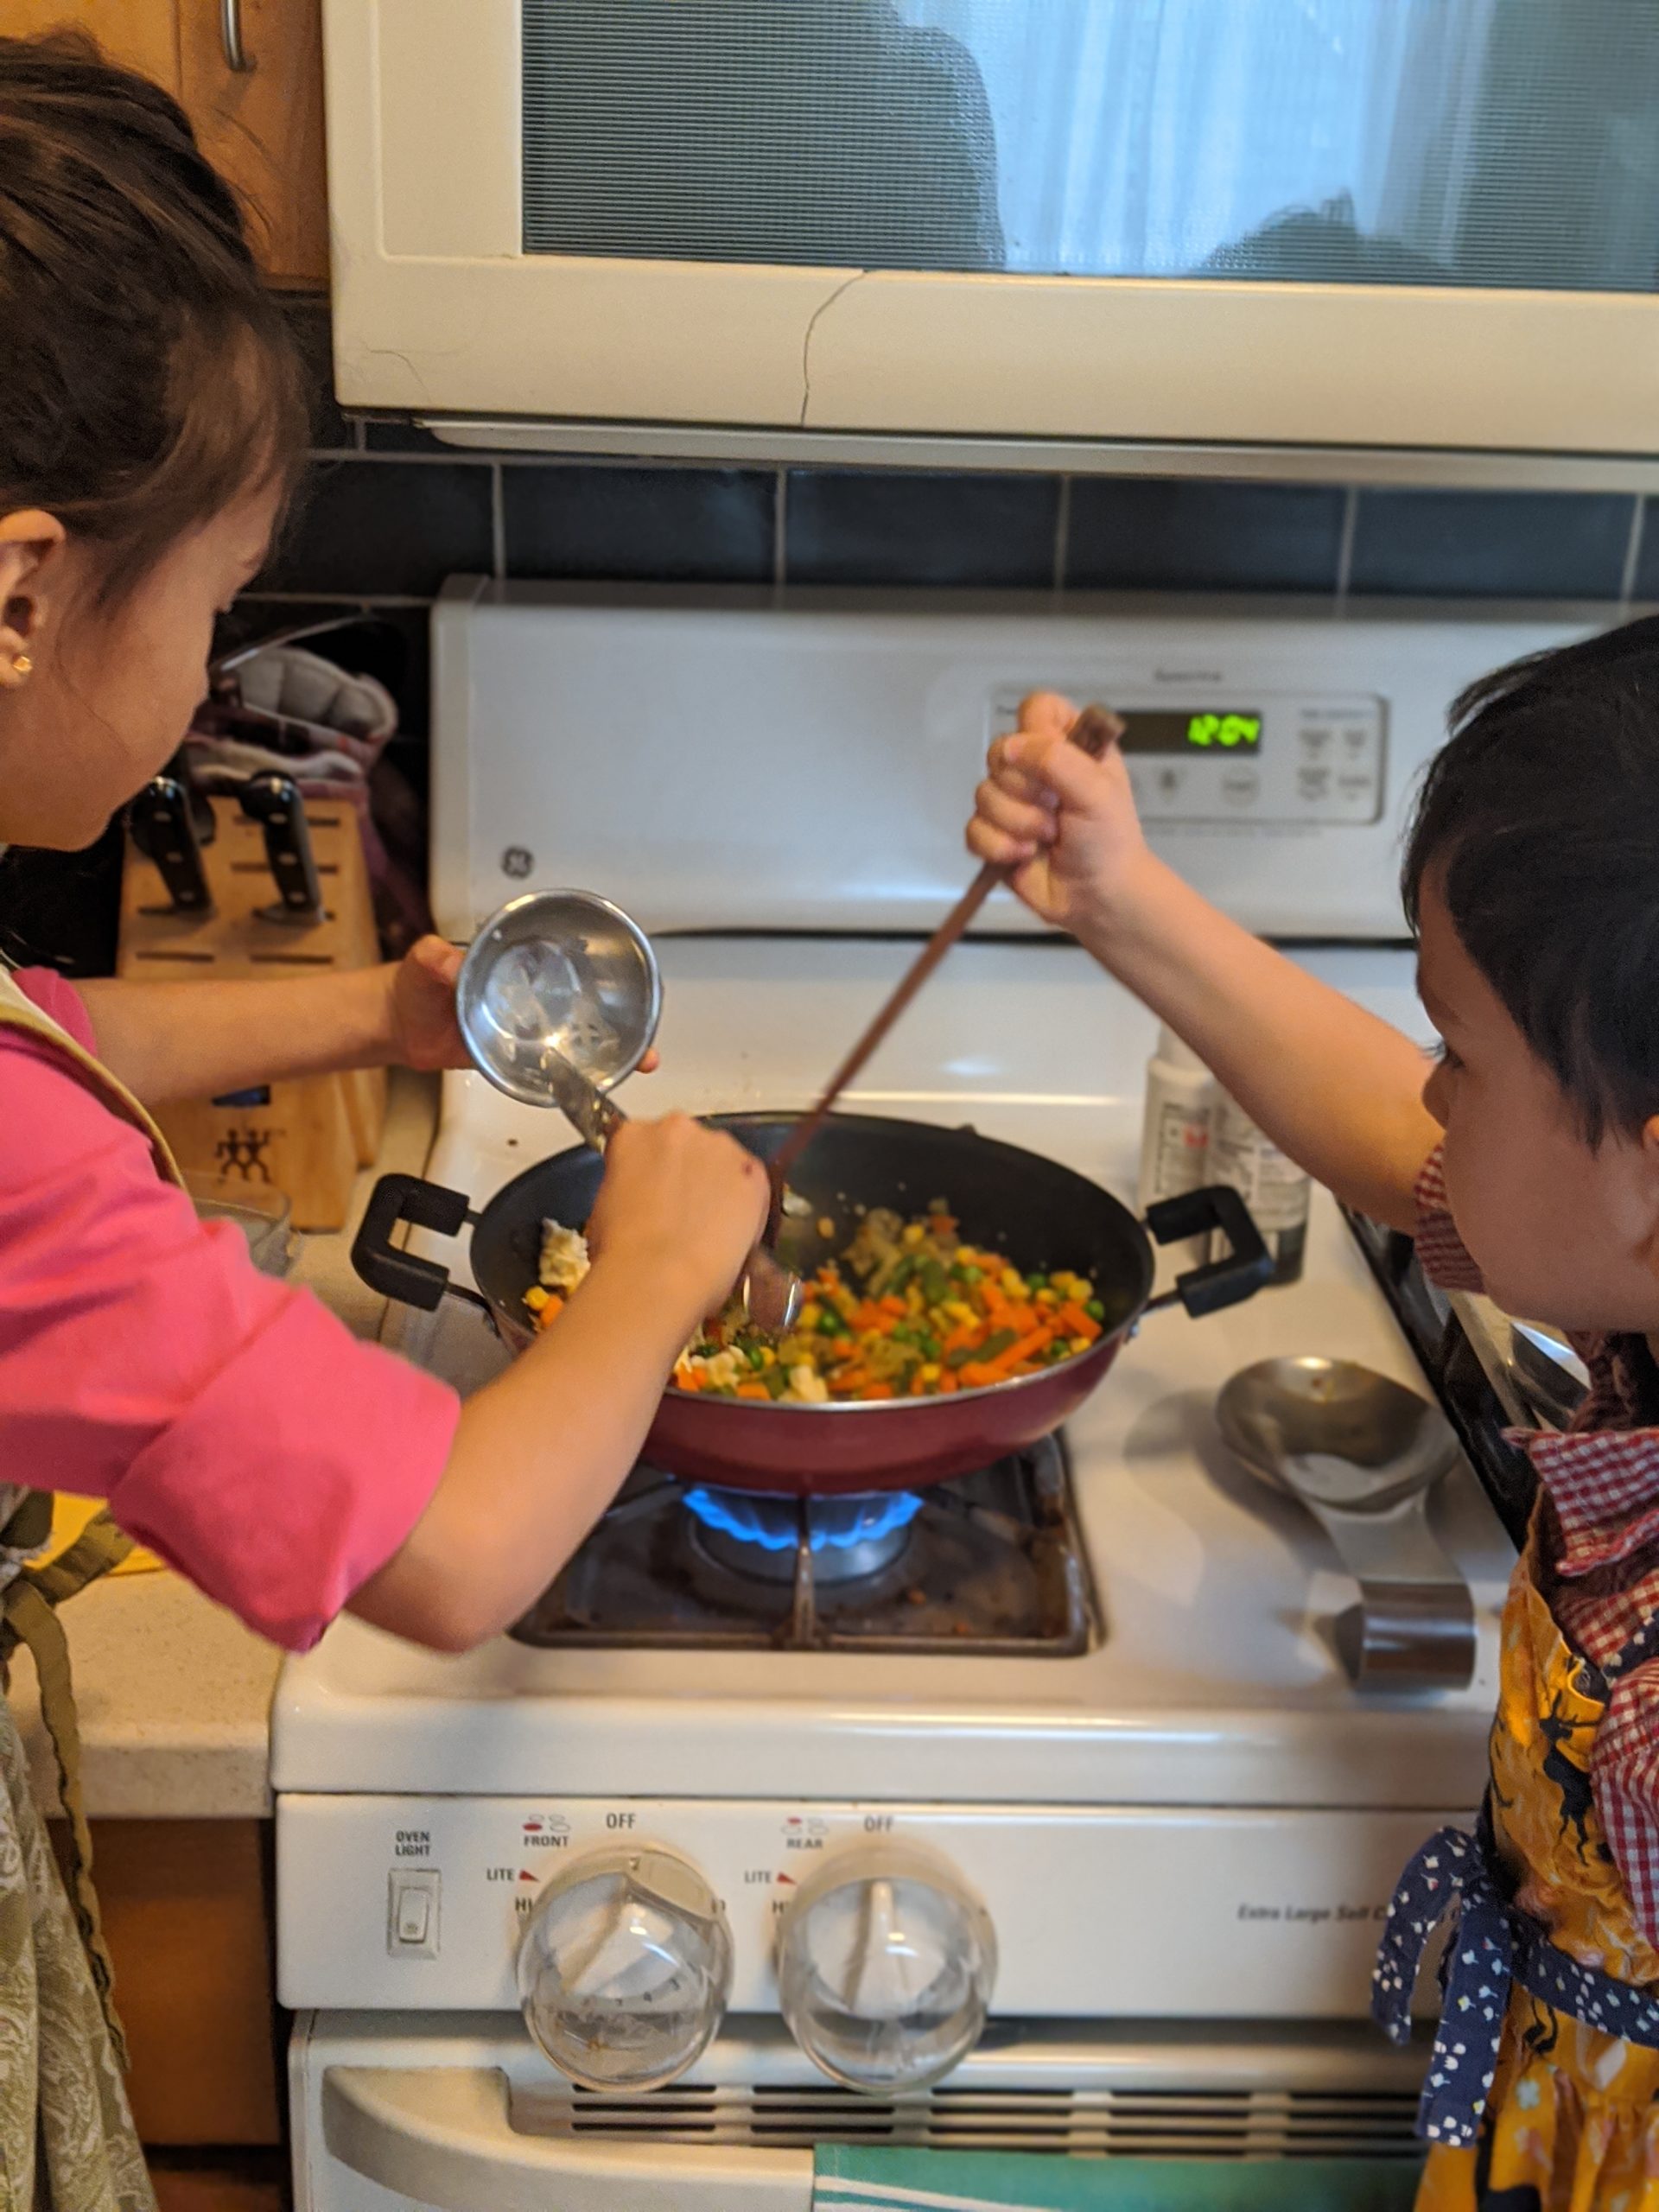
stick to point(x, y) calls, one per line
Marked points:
point(539, 1454)
point(1334, 1087)
point(168, 1041)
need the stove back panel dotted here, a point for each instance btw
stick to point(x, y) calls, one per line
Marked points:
point(731, 762)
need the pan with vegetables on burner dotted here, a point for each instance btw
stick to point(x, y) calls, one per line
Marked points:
point(1026, 1237)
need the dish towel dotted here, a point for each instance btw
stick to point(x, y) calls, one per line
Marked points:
point(849, 2177)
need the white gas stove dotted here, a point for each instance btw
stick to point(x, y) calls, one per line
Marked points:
point(1182, 1820)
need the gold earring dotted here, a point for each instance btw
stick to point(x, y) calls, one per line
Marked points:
point(23, 665)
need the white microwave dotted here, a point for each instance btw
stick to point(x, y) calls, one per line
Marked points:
point(1365, 238)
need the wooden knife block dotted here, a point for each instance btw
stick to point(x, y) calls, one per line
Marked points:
point(306, 1139)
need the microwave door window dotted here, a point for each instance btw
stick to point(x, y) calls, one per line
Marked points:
point(1512, 143)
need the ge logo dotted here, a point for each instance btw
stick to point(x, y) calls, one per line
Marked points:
point(517, 861)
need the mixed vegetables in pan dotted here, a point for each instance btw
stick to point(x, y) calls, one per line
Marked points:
point(908, 1310)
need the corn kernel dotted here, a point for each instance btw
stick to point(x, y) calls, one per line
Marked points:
point(808, 1317)
point(826, 1227)
point(536, 1299)
point(931, 1373)
point(1013, 1286)
point(914, 1234)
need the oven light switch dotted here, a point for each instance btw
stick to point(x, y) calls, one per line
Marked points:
point(412, 1914)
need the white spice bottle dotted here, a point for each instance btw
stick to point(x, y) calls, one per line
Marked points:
point(1181, 1096)
point(1272, 1186)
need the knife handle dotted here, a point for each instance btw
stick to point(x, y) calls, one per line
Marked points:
point(273, 801)
point(163, 830)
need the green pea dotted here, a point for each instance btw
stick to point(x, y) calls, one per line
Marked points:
point(973, 1275)
point(1036, 1283)
point(830, 1323)
point(755, 1357)
point(929, 1348)
point(1095, 1310)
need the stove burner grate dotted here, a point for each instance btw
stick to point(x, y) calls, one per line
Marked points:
point(992, 1563)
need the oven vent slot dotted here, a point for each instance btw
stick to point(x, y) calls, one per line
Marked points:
point(1083, 2123)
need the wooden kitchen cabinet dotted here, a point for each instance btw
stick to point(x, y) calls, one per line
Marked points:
point(186, 1911)
point(262, 125)
point(141, 34)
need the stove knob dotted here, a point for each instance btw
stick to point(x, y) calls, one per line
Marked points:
point(625, 1968)
point(885, 1964)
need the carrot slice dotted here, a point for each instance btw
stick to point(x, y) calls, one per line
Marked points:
point(876, 1390)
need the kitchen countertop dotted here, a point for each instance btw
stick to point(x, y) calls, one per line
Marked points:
point(174, 1693)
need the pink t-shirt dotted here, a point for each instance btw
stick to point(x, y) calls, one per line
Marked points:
point(235, 1427)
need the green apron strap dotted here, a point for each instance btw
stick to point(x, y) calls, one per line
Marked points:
point(31, 1619)
point(99, 1547)
point(29, 1605)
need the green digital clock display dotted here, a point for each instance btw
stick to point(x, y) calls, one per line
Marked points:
point(1206, 729)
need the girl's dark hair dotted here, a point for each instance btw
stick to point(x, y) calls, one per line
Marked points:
point(1540, 822)
point(147, 378)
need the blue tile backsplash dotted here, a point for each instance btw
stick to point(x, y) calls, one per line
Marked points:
point(390, 512)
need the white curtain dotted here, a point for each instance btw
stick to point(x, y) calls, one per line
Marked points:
point(1138, 137)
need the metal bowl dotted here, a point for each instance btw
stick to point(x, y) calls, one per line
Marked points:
point(560, 970)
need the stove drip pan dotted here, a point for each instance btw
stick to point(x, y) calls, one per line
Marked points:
point(991, 1563)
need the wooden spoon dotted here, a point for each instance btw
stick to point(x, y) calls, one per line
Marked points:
point(1093, 731)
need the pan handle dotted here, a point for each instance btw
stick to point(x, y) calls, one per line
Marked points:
point(405, 1275)
point(1227, 1281)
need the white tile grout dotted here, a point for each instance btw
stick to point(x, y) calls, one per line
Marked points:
point(1345, 542)
point(1633, 549)
point(336, 598)
point(781, 531)
point(1062, 531)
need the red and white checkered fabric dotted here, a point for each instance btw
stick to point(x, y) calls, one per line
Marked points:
point(1600, 1541)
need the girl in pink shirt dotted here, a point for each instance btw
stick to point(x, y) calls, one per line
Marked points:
point(152, 424)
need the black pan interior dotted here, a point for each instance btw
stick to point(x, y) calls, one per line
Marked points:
point(1041, 1215)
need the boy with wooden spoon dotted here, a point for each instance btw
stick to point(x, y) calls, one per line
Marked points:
point(1527, 1163)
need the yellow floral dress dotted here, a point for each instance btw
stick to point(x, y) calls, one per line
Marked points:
point(1546, 1943)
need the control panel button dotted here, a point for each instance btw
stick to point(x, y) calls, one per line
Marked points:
point(413, 1904)
point(1314, 783)
point(1241, 787)
point(1316, 741)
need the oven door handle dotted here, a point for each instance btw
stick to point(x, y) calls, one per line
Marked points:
point(443, 2136)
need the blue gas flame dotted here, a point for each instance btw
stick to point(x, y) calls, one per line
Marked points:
point(835, 1524)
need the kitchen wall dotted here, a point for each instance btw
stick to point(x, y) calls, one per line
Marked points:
point(389, 514)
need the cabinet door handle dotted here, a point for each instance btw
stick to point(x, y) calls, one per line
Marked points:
point(236, 56)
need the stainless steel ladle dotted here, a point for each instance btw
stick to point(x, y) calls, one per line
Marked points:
point(1361, 1453)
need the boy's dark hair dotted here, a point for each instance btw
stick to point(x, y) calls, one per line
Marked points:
point(149, 380)
point(1538, 820)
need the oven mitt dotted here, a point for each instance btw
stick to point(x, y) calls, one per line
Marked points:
point(292, 711)
point(856, 2177)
